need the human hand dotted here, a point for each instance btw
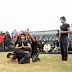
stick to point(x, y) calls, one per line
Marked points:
point(61, 32)
point(23, 45)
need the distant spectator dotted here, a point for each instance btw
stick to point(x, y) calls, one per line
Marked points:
point(40, 46)
point(13, 39)
point(70, 40)
point(7, 39)
point(1, 40)
point(47, 47)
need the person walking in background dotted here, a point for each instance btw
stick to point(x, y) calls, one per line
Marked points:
point(63, 38)
point(7, 39)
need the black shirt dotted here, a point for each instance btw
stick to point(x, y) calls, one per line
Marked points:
point(25, 44)
point(7, 37)
point(34, 46)
point(18, 56)
point(40, 46)
point(64, 27)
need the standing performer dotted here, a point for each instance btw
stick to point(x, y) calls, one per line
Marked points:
point(63, 38)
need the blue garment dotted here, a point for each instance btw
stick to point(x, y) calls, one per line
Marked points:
point(14, 32)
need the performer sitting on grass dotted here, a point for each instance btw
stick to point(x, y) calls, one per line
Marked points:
point(34, 45)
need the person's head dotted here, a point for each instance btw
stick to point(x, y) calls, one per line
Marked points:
point(10, 55)
point(0, 34)
point(1, 31)
point(22, 36)
point(21, 32)
point(63, 19)
point(47, 43)
point(39, 42)
point(12, 37)
point(7, 32)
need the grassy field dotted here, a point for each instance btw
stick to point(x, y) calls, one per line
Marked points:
point(48, 63)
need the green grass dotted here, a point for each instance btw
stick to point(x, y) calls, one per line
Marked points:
point(48, 63)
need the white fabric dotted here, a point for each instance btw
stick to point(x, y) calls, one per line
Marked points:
point(47, 47)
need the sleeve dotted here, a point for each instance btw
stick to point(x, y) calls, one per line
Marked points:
point(18, 37)
point(14, 56)
point(18, 42)
point(68, 25)
point(27, 42)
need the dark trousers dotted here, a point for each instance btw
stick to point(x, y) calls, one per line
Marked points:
point(22, 57)
point(7, 42)
point(35, 57)
point(25, 59)
point(64, 47)
point(1, 45)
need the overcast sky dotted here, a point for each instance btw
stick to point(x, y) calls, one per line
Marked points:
point(36, 15)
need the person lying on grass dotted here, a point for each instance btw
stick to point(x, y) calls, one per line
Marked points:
point(19, 59)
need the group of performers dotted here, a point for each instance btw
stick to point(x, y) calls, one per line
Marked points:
point(25, 50)
point(26, 46)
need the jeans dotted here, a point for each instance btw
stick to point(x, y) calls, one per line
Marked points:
point(69, 44)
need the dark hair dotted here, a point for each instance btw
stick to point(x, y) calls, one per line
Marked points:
point(46, 42)
point(6, 31)
point(23, 34)
point(40, 41)
point(9, 55)
point(63, 18)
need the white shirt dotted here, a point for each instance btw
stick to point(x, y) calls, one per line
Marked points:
point(47, 47)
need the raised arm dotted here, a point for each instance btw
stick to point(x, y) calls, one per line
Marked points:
point(26, 35)
point(31, 37)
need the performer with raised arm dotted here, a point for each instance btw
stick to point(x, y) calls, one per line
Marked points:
point(34, 45)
